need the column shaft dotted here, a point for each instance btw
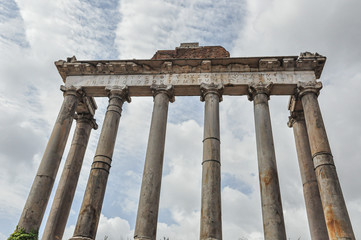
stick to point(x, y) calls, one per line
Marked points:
point(37, 201)
point(211, 214)
point(64, 195)
point(147, 217)
point(88, 219)
point(316, 218)
point(334, 207)
point(272, 213)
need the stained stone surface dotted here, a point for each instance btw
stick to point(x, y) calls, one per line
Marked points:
point(189, 66)
point(192, 50)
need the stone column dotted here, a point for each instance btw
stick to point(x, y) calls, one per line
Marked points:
point(37, 201)
point(64, 195)
point(147, 217)
point(88, 219)
point(211, 215)
point(273, 222)
point(316, 218)
point(337, 219)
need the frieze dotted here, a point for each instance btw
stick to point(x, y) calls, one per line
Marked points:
point(191, 79)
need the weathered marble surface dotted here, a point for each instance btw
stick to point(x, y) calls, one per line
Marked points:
point(334, 207)
point(188, 84)
point(315, 216)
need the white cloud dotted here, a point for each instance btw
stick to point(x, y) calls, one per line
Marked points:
point(161, 24)
point(183, 158)
point(241, 214)
point(114, 228)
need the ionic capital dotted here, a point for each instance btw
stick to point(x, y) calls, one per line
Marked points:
point(308, 87)
point(120, 92)
point(295, 116)
point(88, 118)
point(167, 89)
point(71, 90)
point(259, 88)
point(211, 89)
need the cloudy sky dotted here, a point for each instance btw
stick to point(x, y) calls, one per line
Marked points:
point(35, 33)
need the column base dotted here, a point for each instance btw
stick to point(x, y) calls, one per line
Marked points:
point(80, 238)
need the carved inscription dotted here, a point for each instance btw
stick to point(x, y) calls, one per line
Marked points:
point(191, 79)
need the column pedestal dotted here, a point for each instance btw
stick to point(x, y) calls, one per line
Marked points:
point(147, 217)
point(334, 207)
point(88, 219)
point(38, 198)
point(272, 213)
point(211, 213)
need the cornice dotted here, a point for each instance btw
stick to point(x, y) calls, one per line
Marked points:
point(305, 62)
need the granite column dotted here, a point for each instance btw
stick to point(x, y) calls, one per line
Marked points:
point(38, 198)
point(315, 216)
point(147, 217)
point(88, 219)
point(64, 195)
point(334, 207)
point(211, 214)
point(272, 213)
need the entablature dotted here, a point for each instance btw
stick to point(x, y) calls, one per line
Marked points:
point(305, 62)
point(186, 75)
